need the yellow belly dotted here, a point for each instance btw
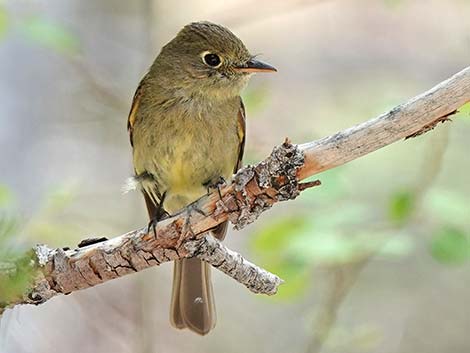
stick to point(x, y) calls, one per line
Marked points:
point(192, 168)
point(185, 152)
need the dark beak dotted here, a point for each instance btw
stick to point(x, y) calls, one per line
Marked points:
point(255, 66)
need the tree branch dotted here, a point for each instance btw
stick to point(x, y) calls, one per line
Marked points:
point(421, 113)
point(254, 189)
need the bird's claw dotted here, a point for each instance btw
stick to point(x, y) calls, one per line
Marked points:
point(216, 185)
point(160, 215)
point(194, 207)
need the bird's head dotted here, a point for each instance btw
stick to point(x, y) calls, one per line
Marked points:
point(208, 60)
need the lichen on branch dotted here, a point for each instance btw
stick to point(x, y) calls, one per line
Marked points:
point(254, 190)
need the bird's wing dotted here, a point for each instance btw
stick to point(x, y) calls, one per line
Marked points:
point(134, 108)
point(241, 135)
point(220, 231)
point(150, 202)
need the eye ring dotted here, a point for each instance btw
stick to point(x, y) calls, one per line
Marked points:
point(211, 59)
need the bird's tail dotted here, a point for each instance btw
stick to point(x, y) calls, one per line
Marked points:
point(192, 303)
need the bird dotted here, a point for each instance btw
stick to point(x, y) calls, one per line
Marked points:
point(187, 130)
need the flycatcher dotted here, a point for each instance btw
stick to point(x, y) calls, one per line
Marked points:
point(187, 130)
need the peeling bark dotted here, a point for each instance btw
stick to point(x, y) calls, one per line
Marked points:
point(254, 190)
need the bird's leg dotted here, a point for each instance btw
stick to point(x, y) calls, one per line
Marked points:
point(186, 227)
point(195, 207)
point(159, 215)
point(217, 184)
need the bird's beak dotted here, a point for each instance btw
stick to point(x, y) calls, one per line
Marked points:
point(255, 66)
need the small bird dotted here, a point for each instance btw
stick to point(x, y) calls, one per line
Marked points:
point(187, 130)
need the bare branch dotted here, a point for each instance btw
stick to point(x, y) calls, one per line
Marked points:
point(254, 189)
point(233, 264)
point(399, 123)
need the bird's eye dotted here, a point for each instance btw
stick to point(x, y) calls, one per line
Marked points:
point(211, 59)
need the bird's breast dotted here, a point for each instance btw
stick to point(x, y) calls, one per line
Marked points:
point(187, 151)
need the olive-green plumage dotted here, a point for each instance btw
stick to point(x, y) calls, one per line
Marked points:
point(187, 128)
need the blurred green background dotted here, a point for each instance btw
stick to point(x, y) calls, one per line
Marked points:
point(375, 260)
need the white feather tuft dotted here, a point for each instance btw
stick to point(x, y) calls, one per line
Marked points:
point(131, 184)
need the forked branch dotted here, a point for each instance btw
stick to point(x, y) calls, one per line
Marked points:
point(254, 189)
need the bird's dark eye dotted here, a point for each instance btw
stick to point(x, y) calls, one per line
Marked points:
point(212, 60)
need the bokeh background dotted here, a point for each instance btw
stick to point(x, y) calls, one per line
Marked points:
point(375, 260)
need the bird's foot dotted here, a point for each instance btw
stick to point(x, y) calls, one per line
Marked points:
point(195, 207)
point(217, 184)
point(160, 215)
